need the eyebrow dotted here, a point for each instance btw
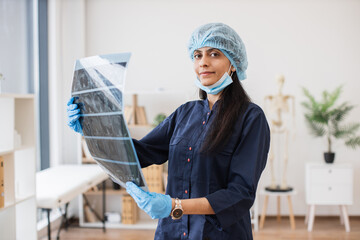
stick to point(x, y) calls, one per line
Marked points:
point(212, 49)
point(208, 50)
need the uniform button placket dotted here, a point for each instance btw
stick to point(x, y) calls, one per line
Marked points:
point(186, 174)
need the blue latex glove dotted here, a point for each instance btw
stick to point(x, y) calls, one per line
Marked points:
point(156, 205)
point(73, 113)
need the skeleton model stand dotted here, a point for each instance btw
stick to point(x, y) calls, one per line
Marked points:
point(279, 116)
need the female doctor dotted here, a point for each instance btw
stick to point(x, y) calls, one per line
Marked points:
point(216, 147)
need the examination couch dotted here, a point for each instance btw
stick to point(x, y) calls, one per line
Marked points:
point(57, 186)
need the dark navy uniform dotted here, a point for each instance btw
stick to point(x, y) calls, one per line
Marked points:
point(228, 178)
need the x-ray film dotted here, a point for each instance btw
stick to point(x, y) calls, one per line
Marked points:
point(98, 87)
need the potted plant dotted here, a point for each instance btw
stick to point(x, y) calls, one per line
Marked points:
point(159, 118)
point(325, 118)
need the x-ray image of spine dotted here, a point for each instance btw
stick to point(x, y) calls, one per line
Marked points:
point(98, 87)
point(280, 111)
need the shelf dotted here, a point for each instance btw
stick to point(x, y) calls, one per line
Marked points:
point(6, 152)
point(23, 96)
point(10, 151)
point(140, 126)
point(108, 192)
point(142, 224)
point(18, 153)
point(8, 205)
point(23, 147)
point(19, 200)
point(139, 131)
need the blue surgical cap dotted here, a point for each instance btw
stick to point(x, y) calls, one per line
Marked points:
point(224, 38)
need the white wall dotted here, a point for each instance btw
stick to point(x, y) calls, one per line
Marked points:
point(314, 43)
point(66, 44)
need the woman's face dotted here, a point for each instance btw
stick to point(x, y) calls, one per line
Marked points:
point(210, 64)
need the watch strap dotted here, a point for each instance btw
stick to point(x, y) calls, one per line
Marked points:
point(177, 212)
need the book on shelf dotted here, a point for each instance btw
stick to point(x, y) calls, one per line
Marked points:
point(153, 176)
point(129, 210)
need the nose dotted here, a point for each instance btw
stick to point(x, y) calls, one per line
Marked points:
point(204, 62)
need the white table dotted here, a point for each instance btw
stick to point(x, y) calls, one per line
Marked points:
point(278, 195)
point(57, 186)
point(328, 184)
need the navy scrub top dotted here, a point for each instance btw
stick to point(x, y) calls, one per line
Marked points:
point(228, 179)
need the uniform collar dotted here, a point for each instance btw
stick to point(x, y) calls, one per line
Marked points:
point(207, 107)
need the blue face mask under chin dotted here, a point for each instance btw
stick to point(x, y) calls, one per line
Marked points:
point(217, 87)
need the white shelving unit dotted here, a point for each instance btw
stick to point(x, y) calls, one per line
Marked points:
point(17, 152)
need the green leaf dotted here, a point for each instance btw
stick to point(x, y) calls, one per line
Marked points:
point(310, 97)
point(159, 118)
point(346, 131)
point(353, 142)
point(338, 114)
point(306, 105)
point(316, 129)
point(329, 99)
point(319, 117)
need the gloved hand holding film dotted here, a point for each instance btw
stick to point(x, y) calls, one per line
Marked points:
point(156, 205)
point(73, 113)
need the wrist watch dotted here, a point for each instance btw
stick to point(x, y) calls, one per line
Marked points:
point(177, 212)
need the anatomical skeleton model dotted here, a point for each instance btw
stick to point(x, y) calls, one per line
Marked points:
point(278, 117)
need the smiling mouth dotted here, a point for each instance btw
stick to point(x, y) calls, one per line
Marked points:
point(206, 73)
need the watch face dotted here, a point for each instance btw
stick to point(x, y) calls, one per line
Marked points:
point(177, 213)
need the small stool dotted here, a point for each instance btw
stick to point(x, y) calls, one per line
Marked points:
point(278, 195)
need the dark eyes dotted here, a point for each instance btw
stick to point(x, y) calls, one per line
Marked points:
point(197, 55)
point(214, 54)
point(211, 54)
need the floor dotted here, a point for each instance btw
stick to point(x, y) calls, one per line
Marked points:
point(325, 228)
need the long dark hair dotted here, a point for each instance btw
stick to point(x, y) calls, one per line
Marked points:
point(232, 103)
